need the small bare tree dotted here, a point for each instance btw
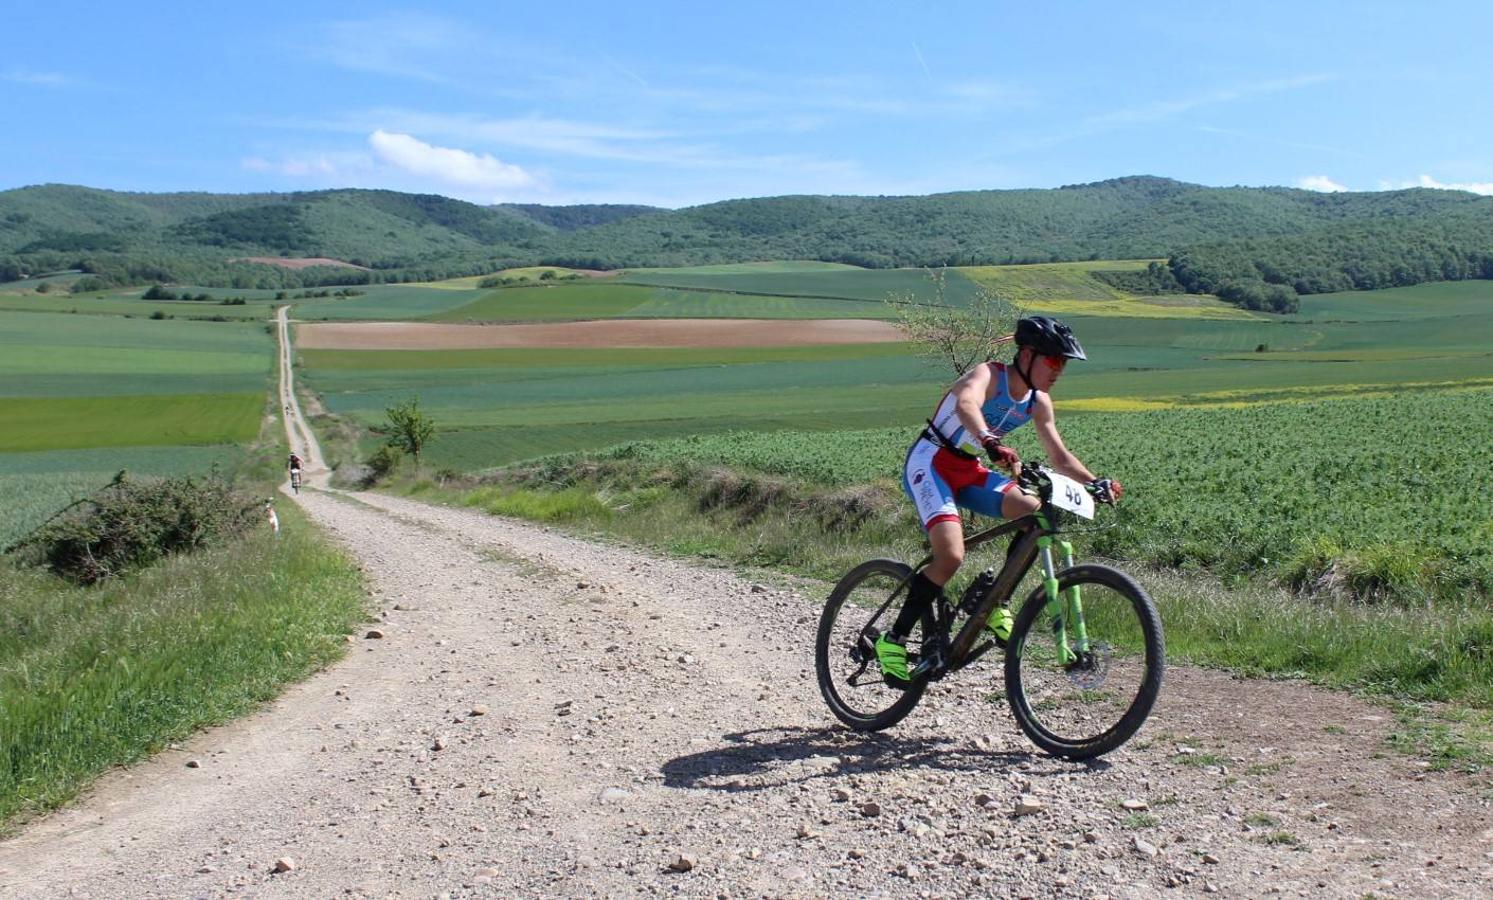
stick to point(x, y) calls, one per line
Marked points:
point(409, 429)
point(957, 335)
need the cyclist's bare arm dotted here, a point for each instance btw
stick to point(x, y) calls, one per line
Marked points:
point(970, 393)
point(1058, 454)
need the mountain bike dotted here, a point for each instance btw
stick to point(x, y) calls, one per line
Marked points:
point(1084, 660)
point(295, 480)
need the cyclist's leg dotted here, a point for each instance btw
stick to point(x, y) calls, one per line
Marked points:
point(930, 492)
point(947, 539)
point(933, 495)
point(997, 497)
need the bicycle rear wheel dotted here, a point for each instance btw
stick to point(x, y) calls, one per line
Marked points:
point(1077, 694)
point(844, 649)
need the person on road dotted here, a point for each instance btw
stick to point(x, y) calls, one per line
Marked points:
point(943, 471)
point(294, 464)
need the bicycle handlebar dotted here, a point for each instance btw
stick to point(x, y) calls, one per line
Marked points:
point(1034, 479)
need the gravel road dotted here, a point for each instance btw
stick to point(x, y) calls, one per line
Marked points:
point(549, 716)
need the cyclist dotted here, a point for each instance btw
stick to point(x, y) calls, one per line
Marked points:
point(295, 465)
point(943, 471)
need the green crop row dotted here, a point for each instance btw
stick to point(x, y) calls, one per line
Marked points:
point(56, 423)
point(1382, 495)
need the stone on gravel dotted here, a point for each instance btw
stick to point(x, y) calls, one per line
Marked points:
point(374, 634)
point(1144, 847)
point(284, 864)
point(194, 763)
point(478, 710)
point(1211, 859)
point(1027, 805)
point(683, 863)
point(870, 809)
point(614, 795)
point(1135, 805)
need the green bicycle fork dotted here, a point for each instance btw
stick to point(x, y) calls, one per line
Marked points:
point(1067, 608)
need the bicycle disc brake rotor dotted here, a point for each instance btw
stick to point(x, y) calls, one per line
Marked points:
point(1092, 668)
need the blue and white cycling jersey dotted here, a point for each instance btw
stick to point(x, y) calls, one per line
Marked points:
point(1002, 412)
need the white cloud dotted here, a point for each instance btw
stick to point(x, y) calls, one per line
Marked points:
point(1426, 181)
point(447, 164)
point(1319, 183)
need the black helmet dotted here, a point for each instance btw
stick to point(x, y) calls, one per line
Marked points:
point(1048, 337)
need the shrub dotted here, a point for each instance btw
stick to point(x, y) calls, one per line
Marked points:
point(382, 462)
point(130, 525)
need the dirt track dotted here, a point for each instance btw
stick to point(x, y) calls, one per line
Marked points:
point(600, 333)
point(639, 710)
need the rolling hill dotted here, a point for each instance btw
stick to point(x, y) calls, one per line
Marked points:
point(1264, 240)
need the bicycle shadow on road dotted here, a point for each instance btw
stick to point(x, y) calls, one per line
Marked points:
point(771, 757)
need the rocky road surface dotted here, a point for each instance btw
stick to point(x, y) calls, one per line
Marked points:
point(548, 716)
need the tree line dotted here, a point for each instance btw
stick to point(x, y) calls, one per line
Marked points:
point(1259, 248)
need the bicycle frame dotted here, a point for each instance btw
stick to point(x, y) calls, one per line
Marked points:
point(1035, 544)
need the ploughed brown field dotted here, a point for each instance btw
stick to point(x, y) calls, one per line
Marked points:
point(599, 333)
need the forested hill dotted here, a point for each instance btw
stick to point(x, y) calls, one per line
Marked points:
point(1258, 246)
point(1127, 218)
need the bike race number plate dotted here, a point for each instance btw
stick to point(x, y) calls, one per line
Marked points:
point(1072, 496)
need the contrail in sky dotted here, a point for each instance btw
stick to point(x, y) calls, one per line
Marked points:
point(922, 62)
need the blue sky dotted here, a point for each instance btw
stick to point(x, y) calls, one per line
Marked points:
point(674, 104)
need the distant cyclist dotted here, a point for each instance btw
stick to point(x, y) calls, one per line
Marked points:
point(943, 471)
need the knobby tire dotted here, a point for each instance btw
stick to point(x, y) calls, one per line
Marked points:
point(831, 655)
point(1034, 616)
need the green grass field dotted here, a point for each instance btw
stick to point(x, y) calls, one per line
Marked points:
point(604, 299)
point(82, 397)
point(59, 423)
point(388, 302)
point(501, 405)
point(53, 355)
point(810, 281)
point(99, 677)
point(1249, 486)
point(377, 302)
point(1440, 300)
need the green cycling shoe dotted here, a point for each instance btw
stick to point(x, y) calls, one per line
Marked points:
point(892, 657)
point(999, 625)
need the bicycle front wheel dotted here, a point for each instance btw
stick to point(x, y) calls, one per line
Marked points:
point(1084, 669)
point(844, 649)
